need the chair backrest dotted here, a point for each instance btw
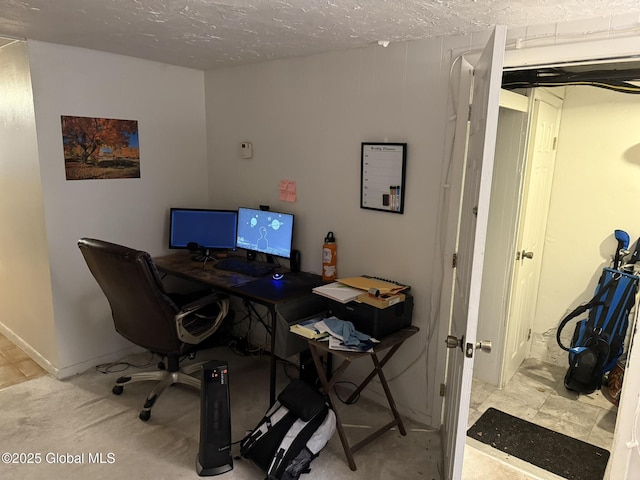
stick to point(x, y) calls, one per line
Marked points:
point(142, 312)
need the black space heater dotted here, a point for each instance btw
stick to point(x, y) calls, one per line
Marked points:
point(214, 456)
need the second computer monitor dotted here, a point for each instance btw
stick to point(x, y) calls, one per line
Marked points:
point(265, 231)
point(208, 228)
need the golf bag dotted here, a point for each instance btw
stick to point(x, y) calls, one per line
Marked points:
point(291, 434)
point(598, 340)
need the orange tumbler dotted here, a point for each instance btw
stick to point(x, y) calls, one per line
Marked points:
point(329, 258)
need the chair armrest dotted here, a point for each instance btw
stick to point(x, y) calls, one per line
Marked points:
point(201, 302)
point(195, 325)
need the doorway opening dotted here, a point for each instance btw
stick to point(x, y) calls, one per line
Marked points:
point(594, 178)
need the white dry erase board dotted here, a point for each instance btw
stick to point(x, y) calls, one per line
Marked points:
point(383, 174)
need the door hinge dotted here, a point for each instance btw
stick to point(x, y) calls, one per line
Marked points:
point(454, 261)
point(555, 143)
point(529, 335)
point(469, 117)
point(443, 389)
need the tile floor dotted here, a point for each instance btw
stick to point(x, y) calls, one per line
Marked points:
point(536, 393)
point(15, 365)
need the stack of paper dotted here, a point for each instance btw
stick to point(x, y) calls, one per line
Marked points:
point(338, 291)
point(307, 329)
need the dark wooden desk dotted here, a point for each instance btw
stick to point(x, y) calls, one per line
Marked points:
point(263, 291)
point(392, 343)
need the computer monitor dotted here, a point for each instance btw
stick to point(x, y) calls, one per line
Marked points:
point(265, 231)
point(210, 229)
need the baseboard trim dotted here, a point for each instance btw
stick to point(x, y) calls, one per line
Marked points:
point(81, 367)
point(28, 349)
point(70, 370)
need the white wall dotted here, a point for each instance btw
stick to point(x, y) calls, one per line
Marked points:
point(306, 118)
point(595, 191)
point(168, 103)
point(25, 282)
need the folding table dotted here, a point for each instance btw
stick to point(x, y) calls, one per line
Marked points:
point(391, 342)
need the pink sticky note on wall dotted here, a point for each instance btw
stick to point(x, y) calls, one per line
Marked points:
point(288, 190)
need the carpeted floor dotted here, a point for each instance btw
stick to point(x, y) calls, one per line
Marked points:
point(565, 456)
point(77, 429)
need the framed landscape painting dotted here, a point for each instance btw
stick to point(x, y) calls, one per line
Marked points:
point(100, 148)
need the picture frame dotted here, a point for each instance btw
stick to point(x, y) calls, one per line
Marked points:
point(382, 180)
point(100, 148)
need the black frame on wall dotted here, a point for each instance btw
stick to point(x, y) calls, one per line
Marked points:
point(382, 179)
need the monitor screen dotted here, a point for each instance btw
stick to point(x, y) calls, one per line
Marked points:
point(265, 231)
point(212, 229)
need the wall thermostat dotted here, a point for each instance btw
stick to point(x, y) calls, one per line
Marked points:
point(246, 150)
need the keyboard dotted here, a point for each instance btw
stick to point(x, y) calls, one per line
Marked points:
point(245, 267)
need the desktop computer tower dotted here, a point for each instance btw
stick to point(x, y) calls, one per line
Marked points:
point(214, 456)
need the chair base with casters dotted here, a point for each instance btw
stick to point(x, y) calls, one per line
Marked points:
point(165, 378)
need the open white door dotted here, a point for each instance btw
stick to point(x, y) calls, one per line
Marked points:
point(540, 164)
point(483, 127)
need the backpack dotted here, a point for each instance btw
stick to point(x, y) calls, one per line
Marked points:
point(598, 340)
point(291, 434)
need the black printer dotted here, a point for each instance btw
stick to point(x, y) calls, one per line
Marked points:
point(374, 321)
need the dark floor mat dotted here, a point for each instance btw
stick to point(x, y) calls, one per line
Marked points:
point(557, 453)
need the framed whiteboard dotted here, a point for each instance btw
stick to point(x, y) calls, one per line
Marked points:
point(383, 167)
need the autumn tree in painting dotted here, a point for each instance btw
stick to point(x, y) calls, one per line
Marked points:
point(85, 136)
point(100, 148)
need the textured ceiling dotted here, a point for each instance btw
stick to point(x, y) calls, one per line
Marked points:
point(206, 34)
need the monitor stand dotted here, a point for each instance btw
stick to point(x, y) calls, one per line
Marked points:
point(204, 256)
point(251, 256)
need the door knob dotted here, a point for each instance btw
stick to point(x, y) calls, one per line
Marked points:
point(454, 342)
point(527, 254)
point(484, 345)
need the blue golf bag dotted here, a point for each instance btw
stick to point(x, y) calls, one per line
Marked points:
point(598, 340)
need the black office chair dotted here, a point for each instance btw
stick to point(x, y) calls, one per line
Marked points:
point(146, 315)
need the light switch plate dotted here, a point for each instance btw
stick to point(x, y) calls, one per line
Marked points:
point(246, 150)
